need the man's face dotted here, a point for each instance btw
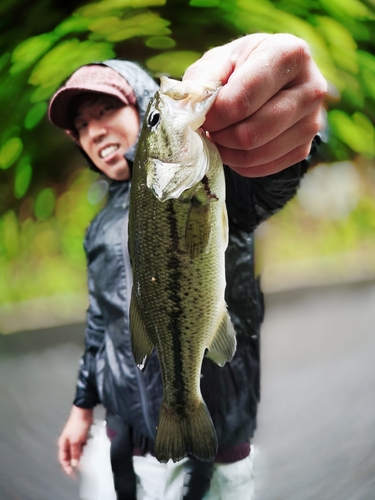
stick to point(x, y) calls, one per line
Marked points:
point(106, 129)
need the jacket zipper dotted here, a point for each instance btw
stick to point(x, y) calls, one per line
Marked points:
point(141, 384)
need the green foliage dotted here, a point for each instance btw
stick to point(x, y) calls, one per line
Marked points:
point(34, 115)
point(172, 62)
point(40, 254)
point(44, 204)
point(357, 131)
point(61, 61)
point(23, 176)
point(10, 152)
point(302, 245)
point(160, 42)
point(40, 244)
point(29, 51)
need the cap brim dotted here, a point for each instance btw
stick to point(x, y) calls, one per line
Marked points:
point(59, 113)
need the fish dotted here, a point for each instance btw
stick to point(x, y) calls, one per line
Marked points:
point(178, 234)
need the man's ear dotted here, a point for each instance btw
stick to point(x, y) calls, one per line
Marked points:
point(73, 136)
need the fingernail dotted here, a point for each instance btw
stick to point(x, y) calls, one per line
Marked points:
point(74, 462)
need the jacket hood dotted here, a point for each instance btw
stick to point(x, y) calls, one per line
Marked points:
point(143, 86)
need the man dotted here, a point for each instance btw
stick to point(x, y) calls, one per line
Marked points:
point(264, 122)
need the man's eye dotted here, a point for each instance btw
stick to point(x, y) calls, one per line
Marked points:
point(80, 126)
point(107, 108)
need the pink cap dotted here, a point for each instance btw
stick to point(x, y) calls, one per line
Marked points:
point(91, 78)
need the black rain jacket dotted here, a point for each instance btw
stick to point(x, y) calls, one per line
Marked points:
point(108, 373)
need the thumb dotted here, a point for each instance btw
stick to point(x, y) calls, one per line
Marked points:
point(219, 63)
point(214, 66)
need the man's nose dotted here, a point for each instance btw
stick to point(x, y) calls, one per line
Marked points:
point(96, 130)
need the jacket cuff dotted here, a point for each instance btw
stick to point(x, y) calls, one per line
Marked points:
point(84, 401)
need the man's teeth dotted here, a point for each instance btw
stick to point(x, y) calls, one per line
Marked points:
point(107, 151)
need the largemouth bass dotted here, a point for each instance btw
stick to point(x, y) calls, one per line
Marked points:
point(178, 233)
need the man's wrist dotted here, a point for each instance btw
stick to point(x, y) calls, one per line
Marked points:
point(82, 413)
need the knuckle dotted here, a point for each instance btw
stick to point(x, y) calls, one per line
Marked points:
point(302, 49)
point(236, 158)
point(317, 125)
point(238, 105)
point(309, 127)
point(319, 90)
point(61, 441)
point(297, 51)
point(294, 56)
point(247, 136)
point(302, 152)
point(314, 125)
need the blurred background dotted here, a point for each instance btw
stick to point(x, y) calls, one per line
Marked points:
point(316, 257)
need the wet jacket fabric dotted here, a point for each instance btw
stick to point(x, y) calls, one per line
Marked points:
point(108, 373)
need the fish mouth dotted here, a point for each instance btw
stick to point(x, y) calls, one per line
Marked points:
point(169, 180)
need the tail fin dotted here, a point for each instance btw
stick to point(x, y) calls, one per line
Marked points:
point(188, 432)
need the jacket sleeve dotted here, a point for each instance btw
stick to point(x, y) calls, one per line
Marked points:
point(250, 201)
point(86, 389)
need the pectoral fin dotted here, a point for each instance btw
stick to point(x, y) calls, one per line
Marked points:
point(223, 345)
point(141, 343)
point(197, 231)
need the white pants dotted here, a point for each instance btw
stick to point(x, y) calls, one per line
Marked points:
point(166, 481)
point(158, 481)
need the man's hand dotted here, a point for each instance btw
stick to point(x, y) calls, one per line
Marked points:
point(271, 105)
point(74, 437)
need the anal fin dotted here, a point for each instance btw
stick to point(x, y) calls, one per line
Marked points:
point(223, 344)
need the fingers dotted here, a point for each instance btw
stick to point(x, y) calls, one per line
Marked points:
point(275, 166)
point(254, 69)
point(256, 81)
point(279, 114)
point(292, 145)
point(219, 63)
point(268, 110)
point(270, 106)
point(69, 454)
point(74, 437)
point(64, 455)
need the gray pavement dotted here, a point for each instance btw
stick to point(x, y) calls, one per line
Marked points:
point(37, 371)
point(315, 437)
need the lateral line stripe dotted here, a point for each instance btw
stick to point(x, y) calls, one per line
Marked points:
point(175, 274)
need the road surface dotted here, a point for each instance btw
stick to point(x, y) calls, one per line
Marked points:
point(316, 426)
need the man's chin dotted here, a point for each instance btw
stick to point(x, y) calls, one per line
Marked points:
point(121, 174)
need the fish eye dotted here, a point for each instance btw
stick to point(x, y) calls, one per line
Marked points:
point(153, 119)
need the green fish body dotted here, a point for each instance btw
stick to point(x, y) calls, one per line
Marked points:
point(178, 233)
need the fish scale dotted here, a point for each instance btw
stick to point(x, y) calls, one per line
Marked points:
point(177, 241)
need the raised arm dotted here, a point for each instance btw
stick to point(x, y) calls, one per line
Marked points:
point(250, 201)
point(271, 105)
